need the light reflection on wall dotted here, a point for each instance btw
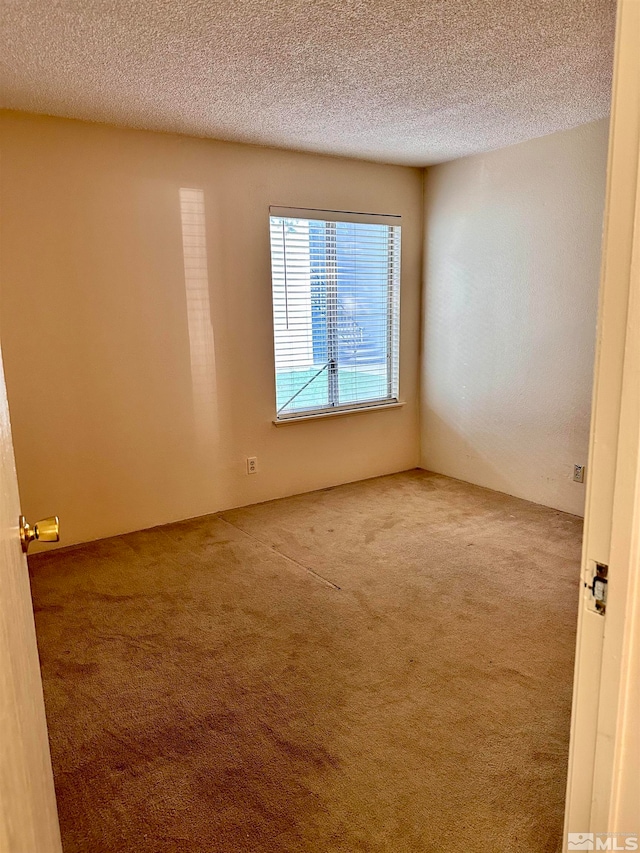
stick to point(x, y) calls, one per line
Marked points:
point(201, 342)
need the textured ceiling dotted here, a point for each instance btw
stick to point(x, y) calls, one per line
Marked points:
point(402, 81)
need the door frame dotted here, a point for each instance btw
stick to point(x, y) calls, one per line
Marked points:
point(602, 784)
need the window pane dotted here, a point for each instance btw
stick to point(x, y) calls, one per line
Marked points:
point(363, 303)
point(335, 309)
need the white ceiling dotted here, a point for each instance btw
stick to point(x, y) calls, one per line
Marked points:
point(401, 81)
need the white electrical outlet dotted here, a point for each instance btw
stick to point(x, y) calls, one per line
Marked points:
point(578, 473)
point(252, 464)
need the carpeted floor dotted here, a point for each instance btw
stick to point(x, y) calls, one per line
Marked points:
point(382, 666)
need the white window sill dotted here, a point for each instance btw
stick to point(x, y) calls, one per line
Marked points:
point(296, 419)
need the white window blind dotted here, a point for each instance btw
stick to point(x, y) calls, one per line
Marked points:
point(336, 299)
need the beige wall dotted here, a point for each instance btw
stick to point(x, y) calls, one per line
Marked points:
point(511, 279)
point(136, 393)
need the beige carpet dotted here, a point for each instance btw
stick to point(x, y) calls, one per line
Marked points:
point(382, 666)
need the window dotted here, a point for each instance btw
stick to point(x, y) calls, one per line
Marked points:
point(336, 298)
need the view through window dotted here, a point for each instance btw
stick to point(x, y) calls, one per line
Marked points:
point(336, 290)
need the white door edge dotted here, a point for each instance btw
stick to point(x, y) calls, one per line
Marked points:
point(602, 775)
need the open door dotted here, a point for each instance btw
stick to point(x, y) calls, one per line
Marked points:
point(603, 791)
point(28, 816)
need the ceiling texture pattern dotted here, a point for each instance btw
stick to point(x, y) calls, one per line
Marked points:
point(400, 81)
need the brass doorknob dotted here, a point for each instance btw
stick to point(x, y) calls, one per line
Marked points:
point(47, 530)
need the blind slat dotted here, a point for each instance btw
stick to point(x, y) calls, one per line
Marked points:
point(336, 290)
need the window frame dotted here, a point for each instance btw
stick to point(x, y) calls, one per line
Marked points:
point(392, 400)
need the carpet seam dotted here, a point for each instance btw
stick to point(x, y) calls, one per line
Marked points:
point(274, 550)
